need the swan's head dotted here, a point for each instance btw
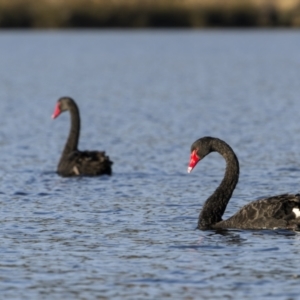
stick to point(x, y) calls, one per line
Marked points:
point(62, 105)
point(199, 150)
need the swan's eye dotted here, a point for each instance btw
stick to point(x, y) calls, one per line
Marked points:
point(193, 161)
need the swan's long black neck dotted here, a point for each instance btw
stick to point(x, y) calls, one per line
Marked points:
point(72, 141)
point(215, 205)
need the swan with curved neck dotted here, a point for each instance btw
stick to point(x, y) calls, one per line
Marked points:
point(282, 211)
point(74, 162)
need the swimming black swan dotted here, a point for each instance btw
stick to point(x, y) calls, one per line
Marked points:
point(74, 162)
point(280, 211)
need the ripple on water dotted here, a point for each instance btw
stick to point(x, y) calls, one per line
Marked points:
point(132, 235)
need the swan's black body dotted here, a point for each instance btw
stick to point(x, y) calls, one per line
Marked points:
point(280, 211)
point(74, 162)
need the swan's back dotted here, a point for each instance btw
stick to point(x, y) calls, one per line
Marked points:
point(88, 163)
point(282, 211)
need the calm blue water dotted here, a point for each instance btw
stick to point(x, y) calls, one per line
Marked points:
point(144, 97)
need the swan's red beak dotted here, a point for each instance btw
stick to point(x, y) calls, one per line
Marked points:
point(56, 112)
point(193, 161)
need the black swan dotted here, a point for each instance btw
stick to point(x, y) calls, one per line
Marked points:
point(277, 212)
point(74, 162)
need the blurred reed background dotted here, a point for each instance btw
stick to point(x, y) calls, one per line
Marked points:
point(148, 13)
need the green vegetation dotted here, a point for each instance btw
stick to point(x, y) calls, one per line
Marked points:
point(148, 13)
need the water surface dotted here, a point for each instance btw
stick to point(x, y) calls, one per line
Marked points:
point(144, 97)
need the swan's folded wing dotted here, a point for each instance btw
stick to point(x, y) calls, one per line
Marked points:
point(90, 163)
point(274, 212)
